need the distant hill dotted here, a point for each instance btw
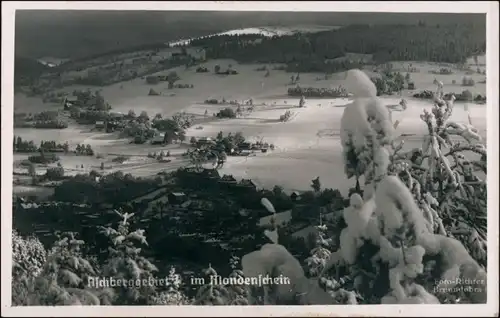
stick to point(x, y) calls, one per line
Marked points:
point(76, 34)
point(27, 68)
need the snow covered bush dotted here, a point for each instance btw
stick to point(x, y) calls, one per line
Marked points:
point(28, 255)
point(320, 254)
point(62, 280)
point(399, 221)
point(234, 293)
point(65, 276)
point(448, 178)
point(125, 262)
point(172, 296)
point(212, 294)
point(28, 259)
point(366, 130)
point(275, 260)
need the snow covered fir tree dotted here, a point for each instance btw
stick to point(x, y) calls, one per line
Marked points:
point(416, 217)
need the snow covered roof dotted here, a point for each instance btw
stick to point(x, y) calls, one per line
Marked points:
point(247, 182)
point(228, 178)
point(29, 205)
point(178, 194)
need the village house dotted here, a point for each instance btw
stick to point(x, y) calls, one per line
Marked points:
point(116, 115)
point(173, 52)
point(113, 125)
point(228, 181)
point(211, 174)
point(201, 177)
point(243, 149)
point(70, 101)
point(100, 124)
point(191, 170)
point(247, 184)
point(177, 198)
point(170, 137)
point(175, 137)
point(209, 178)
point(245, 146)
point(27, 206)
point(158, 139)
point(204, 141)
point(295, 196)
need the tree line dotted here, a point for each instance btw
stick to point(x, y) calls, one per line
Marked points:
point(318, 51)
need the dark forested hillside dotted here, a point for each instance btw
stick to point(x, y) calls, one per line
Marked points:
point(82, 35)
point(313, 52)
point(76, 34)
point(27, 69)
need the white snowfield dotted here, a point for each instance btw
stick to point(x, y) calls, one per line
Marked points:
point(267, 31)
point(307, 146)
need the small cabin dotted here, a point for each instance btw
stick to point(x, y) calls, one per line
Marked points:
point(116, 115)
point(70, 101)
point(211, 174)
point(100, 124)
point(245, 146)
point(28, 206)
point(112, 126)
point(204, 141)
point(228, 179)
point(295, 196)
point(158, 139)
point(177, 197)
point(247, 183)
point(191, 170)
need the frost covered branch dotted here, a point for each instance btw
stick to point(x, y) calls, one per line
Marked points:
point(401, 223)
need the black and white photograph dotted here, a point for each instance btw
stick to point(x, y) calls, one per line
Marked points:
point(249, 156)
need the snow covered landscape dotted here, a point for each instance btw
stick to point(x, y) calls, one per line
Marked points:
point(354, 168)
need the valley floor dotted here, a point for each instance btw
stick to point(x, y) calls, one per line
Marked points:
point(307, 146)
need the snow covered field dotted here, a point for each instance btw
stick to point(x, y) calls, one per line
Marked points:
point(307, 146)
